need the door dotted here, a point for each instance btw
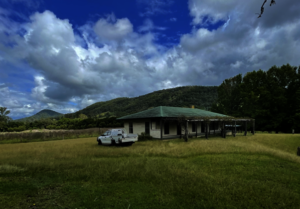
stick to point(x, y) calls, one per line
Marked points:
point(107, 139)
point(202, 127)
point(166, 128)
point(178, 129)
point(147, 128)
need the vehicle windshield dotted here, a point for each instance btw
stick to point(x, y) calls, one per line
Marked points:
point(107, 133)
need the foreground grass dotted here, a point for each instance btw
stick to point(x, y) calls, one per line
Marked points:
point(260, 171)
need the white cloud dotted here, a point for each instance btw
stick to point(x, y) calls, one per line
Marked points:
point(125, 63)
point(112, 29)
point(46, 28)
point(236, 65)
point(154, 7)
point(148, 26)
point(38, 92)
point(226, 24)
point(212, 10)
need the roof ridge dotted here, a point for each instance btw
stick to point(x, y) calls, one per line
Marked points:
point(138, 112)
point(167, 111)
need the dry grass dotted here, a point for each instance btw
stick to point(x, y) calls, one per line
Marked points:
point(274, 145)
point(46, 135)
point(260, 171)
point(10, 169)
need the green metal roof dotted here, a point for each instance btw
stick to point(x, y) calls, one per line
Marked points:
point(171, 112)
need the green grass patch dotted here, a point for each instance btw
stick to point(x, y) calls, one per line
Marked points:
point(260, 171)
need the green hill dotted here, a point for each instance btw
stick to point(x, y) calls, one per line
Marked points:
point(41, 115)
point(201, 97)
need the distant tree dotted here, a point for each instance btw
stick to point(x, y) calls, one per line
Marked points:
point(83, 116)
point(262, 7)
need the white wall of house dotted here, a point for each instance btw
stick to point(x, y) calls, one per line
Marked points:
point(155, 129)
point(139, 127)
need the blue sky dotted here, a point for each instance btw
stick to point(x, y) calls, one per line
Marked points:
point(66, 55)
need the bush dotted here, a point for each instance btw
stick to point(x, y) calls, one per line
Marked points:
point(91, 126)
point(144, 136)
point(20, 128)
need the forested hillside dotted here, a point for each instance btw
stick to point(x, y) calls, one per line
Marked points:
point(40, 115)
point(200, 96)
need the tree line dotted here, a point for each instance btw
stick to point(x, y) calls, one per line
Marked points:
point(270, 97)
point(59, 123)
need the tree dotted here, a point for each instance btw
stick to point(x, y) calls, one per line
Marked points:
point(271, 97)
point(83, 116)
point(262, 7)
point(229, 99)
point(3, 114)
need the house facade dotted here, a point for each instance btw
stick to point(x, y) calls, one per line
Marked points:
point(171, 122)
point(170, 129)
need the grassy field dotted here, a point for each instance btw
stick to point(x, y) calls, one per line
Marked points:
point(260, 171)
point(48, 135)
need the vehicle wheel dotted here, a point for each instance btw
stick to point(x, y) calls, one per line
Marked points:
point(113, 142)
point(99, 142)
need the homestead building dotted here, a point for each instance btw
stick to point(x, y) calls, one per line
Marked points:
point(170, 122)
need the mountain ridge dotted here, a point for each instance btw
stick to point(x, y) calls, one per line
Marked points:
point(201, 97)
point(43, 114)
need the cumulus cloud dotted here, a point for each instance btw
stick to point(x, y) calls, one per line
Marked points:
point(46, 28)
point(108, 59)
point(112, 28)
point(245, 43)
point(211, 11)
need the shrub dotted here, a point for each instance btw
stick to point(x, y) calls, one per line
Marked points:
point(144, 136)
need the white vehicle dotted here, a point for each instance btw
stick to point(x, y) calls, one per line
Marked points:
point(117, 136)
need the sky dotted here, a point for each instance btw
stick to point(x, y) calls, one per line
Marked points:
point(66, 55)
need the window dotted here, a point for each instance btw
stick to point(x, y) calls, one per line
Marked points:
point(130, 128)
point(193, 126)
point(166, 128)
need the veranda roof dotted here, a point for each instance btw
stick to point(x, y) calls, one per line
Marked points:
point(171, 112)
